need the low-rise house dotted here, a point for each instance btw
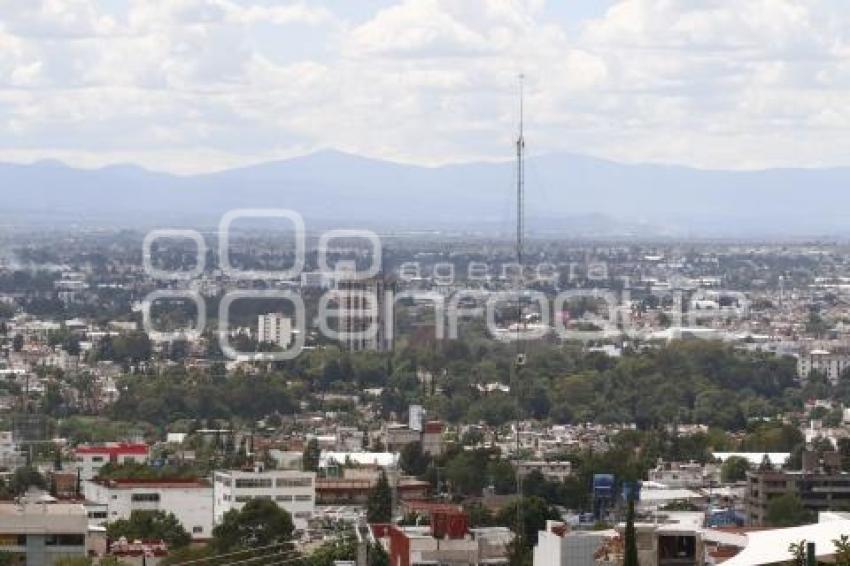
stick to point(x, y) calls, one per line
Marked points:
point(555, 471)
point(448, 540)
point(90, 459)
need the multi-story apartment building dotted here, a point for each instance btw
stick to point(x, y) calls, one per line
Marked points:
point(190, 500)
point(397, 436)
point(89, 459)
point(362, 316)
point(818, 490)
point(829, 363)
point(432, 438)
point(41, 534)
point(293, 490)
point(274, 328)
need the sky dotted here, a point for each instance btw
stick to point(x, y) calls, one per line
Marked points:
point(201, 85)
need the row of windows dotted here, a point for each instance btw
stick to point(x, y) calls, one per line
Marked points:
point(253, 482)
point(139, 497)
point(289, 482)
point(65, 540)
point(282, 498)
point(247, 483)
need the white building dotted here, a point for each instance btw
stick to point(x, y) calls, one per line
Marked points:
point(679, 474)
point(292, 490)
point(415, 417)
point(558, 546)
point(829, 363)
point(89, 459)
point(275, 328)
point(190, 500)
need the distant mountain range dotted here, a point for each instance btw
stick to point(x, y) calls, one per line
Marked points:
point(567, 195)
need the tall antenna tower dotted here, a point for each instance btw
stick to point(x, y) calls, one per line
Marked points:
point(520, 347)
point(520, 179)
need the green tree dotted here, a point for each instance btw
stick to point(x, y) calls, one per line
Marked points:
point(340, 548)
point(734, 469)
point(380, 503)
point(377, 555)
point(150, 525)
point(787, 510)
point(842, 550)
point(310, 457)
point(25, 478)
point(259, 523)
point(798, 553)
point(532, 515)
point(413, 460)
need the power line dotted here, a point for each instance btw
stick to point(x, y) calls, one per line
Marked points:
point(285, 561)
point(291, 555)
point(225, 555)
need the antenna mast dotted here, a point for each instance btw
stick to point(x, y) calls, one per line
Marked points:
point(520, 347)
point(520, 179)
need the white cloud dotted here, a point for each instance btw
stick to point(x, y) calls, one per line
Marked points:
point(202, 84)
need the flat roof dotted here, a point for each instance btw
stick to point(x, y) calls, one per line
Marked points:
point(52, 509)
point(771, 546)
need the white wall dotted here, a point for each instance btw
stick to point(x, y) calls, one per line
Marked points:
point(192, 505)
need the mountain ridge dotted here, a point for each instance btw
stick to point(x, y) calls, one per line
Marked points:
point(334, 186)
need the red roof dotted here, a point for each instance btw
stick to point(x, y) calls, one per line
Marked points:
point(124, 448)
point(432, 507)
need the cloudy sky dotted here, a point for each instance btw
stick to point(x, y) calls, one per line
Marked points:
point(199, 85)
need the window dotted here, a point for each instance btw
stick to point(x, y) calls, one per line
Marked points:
point(13, 540)
point(98, 514)
point(144, 497)
point(65, 540)
point(253, 482)
point(303, 498)
point(97, 459)
point(294, 482)
point(196, 530)
point(242, 498)
point(283, 498)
